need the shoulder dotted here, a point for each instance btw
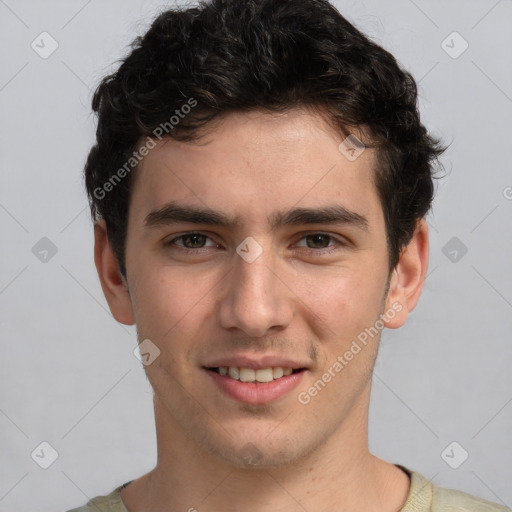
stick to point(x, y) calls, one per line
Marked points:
point(426, 497)
point(450, 500)
point(110, 503)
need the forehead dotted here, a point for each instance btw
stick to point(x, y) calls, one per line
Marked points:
point(252, 165)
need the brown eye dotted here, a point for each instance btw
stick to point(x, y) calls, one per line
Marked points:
point(321, 243)
point(319, 240)
point(193, 241)
point(190, 241)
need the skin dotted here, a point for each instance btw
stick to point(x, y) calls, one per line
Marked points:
point(292, 301)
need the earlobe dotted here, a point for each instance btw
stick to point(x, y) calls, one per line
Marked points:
point(407, 279)
point(112, 282)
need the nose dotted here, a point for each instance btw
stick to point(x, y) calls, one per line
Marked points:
point(255, 297)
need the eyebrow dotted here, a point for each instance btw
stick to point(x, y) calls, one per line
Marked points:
point(173, 212)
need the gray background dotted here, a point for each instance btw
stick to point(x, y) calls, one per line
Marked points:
point(68, 374)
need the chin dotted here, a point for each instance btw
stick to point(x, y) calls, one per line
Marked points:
point(256, 454)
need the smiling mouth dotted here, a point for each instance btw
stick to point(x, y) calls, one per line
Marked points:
point(261, 375)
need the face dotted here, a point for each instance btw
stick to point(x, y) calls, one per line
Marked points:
point(285, 267)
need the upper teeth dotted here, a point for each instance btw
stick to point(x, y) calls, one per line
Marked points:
point(250, 375)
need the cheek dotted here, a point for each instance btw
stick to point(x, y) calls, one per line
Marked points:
point(169, 300)
point(346, 299)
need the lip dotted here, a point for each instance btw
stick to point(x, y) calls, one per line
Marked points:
point(256, 363)
point(256, 393)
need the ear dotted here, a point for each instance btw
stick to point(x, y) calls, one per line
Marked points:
point(113, 283)
point(407, 278)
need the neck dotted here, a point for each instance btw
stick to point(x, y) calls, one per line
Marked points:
point(341, 474)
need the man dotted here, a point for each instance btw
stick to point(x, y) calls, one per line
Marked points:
point(259, 184)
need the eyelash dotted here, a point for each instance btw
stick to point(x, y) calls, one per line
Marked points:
point(325, 250)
